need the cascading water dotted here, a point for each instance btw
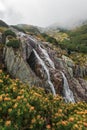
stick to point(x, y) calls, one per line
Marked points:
point(47, 72)
point(45, 61)
point(46, 57)
point(68, 94)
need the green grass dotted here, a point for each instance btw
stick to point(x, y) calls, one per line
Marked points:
point(78, 40)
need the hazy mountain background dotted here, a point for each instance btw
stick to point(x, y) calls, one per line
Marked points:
point(66, 13)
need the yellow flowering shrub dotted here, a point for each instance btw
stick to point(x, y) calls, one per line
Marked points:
point(24, 108)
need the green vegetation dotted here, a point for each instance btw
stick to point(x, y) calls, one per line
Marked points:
point(27, 29)
point(77, 40)
point(3, 29)
point(13, 43)
point(19, 29)
point(24, 108)
point(49, 38)
point(9, 32)
point(79, 58)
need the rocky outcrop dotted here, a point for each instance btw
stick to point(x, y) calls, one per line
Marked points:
point(30, 64)
point(18, 68)
point(80, 71)
point(79, 88)
point(38, 64)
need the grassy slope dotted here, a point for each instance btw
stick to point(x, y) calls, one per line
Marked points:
point(74, 40)
point(78, 39)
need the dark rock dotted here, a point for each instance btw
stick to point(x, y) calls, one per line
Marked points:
point(57, 80)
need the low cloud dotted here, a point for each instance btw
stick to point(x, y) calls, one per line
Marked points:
point(43, 12)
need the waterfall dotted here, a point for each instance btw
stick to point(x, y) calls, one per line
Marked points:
point(46, 57)
point(68, 94)
point(47, 72)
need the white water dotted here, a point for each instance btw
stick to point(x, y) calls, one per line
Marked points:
point(47, 72)
point(46, 57)
point(66, 90)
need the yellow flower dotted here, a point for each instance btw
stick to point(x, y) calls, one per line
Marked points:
point(15, 106)
point(0, 71)
point(7, 76)
point(1, 81)
point(31, 108)
point(76, 126)
point(33, 121)
point(64, 122)
point(8, 123)
point(48, 126)
point(38, 117)
point(85, 124)
point(1, 98)
point(60, 110)
point(18, 97)
point(10, 110)
point(27, 105)
point(71, 119)
point(7, 99)
point(25, 100)
point(14, 89)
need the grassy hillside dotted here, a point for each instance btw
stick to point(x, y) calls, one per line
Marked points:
point(3, 26)
point(27, 29)
point(77, 39)
point(22, 108)
point(74, 40)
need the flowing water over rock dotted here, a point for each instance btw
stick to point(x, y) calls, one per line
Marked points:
point(34, 65)
point(47, 72)
point(68, 94)
point(46, 57)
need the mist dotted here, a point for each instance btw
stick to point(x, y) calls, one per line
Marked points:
point(43, 12)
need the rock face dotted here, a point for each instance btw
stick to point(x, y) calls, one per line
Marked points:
point(18, 68)
point(38, 64)
point(79, 89)
point(75, 77)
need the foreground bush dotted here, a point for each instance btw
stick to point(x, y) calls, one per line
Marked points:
point(22, 108)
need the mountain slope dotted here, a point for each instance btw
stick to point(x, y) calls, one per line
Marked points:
point(3, 24)
point(74, 40)
point(30, 29)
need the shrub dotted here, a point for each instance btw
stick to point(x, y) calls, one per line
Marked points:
point(13, 43)
point(49, 39)
point(9, 32)
point(24, 108)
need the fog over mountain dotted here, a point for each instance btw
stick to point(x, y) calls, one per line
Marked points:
point(43, 12)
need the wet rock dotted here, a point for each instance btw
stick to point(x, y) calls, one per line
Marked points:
point(32, 66)
point(57, 80)
point(79, 88)
point(80, 71)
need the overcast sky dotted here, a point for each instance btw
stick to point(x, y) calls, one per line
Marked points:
point(43, 12)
